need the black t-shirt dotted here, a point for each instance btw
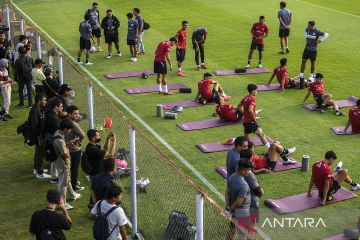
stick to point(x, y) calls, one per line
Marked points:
point(95, 156)
point(52, 220)
point(101, 183)
point(4, 49)
point(52, 123)
point(51, 87)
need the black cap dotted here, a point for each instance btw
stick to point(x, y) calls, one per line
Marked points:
point(39, 61)
point(65, 88)
point(53, 196)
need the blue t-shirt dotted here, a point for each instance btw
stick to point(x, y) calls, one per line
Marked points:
point(94, 16)
point(285, 16)
point(238, 187)
point(312, 36)
point(132, 27)
point(85, 30)
point(140, 21)
point(232, 159)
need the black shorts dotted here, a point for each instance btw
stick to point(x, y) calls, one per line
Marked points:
point(96, 32)
point(309, 55)
point(284, 32)
point(131, 42)
point(85, 44)
point(259, 47)
point(215, 97)
point(332, 190)
point(160, 67)
point(319, 100)
point(110, 38)
point(250, 127)
point(180, 54)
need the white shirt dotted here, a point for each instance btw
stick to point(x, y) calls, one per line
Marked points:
point(115, 218)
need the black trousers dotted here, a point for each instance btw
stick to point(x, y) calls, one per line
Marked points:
point(23, 84)
point(74, 167)
point(201, 53)
point(39, 158)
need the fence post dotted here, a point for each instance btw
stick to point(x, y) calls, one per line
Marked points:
point(7, 17)
point(21, 25)
point(199, 217)
point(133, 182)
point(38, 45)
point(90, 106)
point(60, 69)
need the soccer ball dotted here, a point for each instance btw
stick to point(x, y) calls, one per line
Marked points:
point(92, 49)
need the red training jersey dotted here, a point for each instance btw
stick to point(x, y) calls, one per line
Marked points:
point(354, 116)
point(246, 102)
point(280, 71)
point(161, 50)
point(181, 36)
point(259, 162)
point(317, 88)
point(226, 112)
point(321, 171)
point(259, 30)
point(204, 88)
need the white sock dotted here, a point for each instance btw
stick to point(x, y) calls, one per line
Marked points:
point(179, 69)
point(202, 63)
point(165, 89)
point(159, 87)
point(267, 146)
point(223, 94)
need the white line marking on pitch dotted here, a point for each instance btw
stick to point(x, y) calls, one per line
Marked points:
point(332, 9)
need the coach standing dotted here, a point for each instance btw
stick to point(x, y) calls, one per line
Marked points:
point(111, 24)
point(284, 16)
point(198, 40)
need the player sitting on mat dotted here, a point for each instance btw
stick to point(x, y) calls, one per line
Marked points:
point(354, 119)
point(267, 163)
point(205, 92)
point(325, 181)
point(281, 74)
point(323, 100)
point(227, 112)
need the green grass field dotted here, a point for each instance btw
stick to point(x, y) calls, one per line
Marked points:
point(227, 46)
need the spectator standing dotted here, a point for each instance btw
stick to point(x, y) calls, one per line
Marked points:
point(233, 155)
point(23, 40)
point(94, 21)
point(51, 86)
point(48, 220)
point(38, 76)
point(116, 216)
point(140, 21)
point(62, 163)
point(4, 46)
point(74, 138)
point(132, 35)
point(23, 66)
point(111, 26)
point(5, 85)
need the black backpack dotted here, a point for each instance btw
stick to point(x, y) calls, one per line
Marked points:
point(178, 227)
point(25, 130)
point(146, 25)
point(47, 233)
point(50, 154)
point(101, 224)
point(86, 166)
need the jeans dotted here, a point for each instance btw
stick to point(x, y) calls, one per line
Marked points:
point(140, 43)
point(21, 93)
point(74, 168)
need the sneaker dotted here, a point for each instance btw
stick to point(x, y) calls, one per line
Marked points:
point(338, 166)
point(321, 110)
point(301, 75)
point(161, 92)
point(20, 105)
point(226, 98)
point(88, 63)
point(78, 188)
point(177, 109)
point(99, 50)
point(78, 183)
point(168, 93)
point(197, 68)
point(132, 59)
point(35, 172)
point(108, 56)
point(88, 178)
point(339, 113)
point(230, 141)
point(77, 196)
point(54, 180)
point(247, 66)
point(311, 78)
point(203, 66)
point(80, 63)
point(180, 74)
point(355, 188)
point(281, 52)
point(291, 150)
point(287, 50)
point(8, 116)
point(259, 65)
point(135, 59)
point(68, 206)
point(43, 176)
point(289, 161)
point(119, 54)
